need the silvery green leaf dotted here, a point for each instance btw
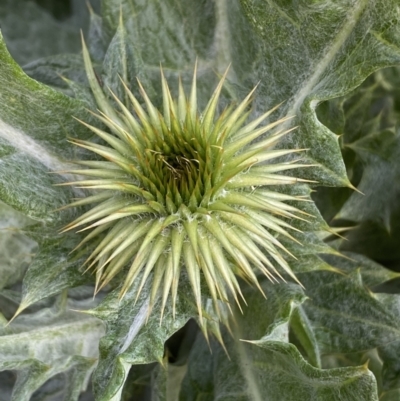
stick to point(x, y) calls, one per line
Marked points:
point(17, 248)
point(36, 119)
point(170, 32)
point(152, 34)
point(267, 319)
point(166, 382)
point(301, 328)
point(388, 352)
point(370, 111)
point(97, 37)
point(310, 243)
point(321, 67)
point(123, 61)
point(308, 253)
point(51, 70)
point(32, 374)
point(347, 317)
point(52, 270)
point(132, 337)
point(77, 379)
point(372, 273)
point(43, 344)
point(369, 145)
point(31, 32)
point(380, 153)
point(27, 186)
point(31, 147)
point(338, 384)
point(270, 367)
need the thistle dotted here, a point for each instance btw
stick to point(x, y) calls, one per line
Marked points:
point(182, 191)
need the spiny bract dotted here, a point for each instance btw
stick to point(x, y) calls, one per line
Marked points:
point(184, 190)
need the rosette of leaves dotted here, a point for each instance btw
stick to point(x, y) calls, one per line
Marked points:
point(307, 343)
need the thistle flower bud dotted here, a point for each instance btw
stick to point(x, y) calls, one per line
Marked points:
point(181, 191)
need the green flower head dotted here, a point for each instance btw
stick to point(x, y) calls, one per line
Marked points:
point(180, 191)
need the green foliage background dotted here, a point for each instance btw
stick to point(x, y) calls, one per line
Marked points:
point(336, 66)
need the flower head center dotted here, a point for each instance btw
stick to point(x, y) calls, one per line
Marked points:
point(180, 166)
